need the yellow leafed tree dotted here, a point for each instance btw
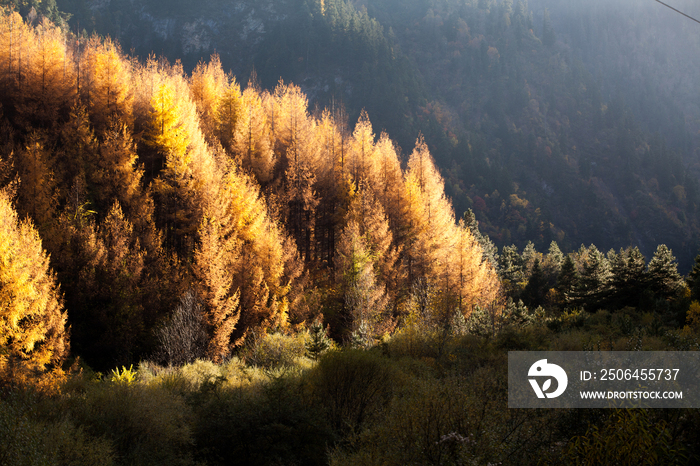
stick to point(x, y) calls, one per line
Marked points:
point(36, 194)
point(187, 182)
point(166, 132)
point(213, 260)
point(367, 212)
point(208, 84)
point(32, 321)
point(45, 84)
point(259, 269)
point(428, 218)
point(112, 95)
point(251, 138)
point(227, 115)
point(364, 300)
point(115, 172)
point(473, 277)
point(361, 152)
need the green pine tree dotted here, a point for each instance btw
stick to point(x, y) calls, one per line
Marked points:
point(490, 251)
point(567, 280)
point(536, 287)
point(664, 278)
point(693, 280)
point(319, 343)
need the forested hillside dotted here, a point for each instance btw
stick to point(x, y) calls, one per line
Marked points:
point(198, 269)
point(146, 184)
point(570, 125)
point(151, 187)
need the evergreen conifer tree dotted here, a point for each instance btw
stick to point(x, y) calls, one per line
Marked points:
point(536, 287)
point(511, 268)
point(694, 279)
point(490, 251)
point(548, 35)
point(567, 280)
point(595, 280)
point(629, 277)
point(319, 342)
point(664, 278)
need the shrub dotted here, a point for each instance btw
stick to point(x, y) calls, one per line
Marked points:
point(261, 424)
point(182, 338)
point(451, 421)
point(353, 386)
point(427, 424)
point(571, 319)
point(146, 424)
point(28, 439)
point(276, 350)
point(628, 437)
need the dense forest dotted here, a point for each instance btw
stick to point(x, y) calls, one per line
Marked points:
point(574, 123)
point(199, 270)
point(144, 183)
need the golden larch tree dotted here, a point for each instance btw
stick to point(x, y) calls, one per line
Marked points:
point(260, 268)
point(473, 276)
point(33, 331)
point(46, 89)
point(298, 146)
point(112, 95)
point(428, 217)
point(188, 182)
point(330, 211)
point(214, 257)
point(37, 191)
point(166, 133)
point(364, 300)
point(228, 113)
point(388, 181)
point(361, 153)
point(208, 85)
point(368, 213)
point(115, 174)
point(251, 142)
point(102, 268)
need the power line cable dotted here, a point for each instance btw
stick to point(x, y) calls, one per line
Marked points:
point(678, 11)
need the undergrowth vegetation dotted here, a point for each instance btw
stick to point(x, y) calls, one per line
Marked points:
point(419, 397)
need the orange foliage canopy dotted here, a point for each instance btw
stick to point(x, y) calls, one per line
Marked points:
point(238, 194)
point(32, 320)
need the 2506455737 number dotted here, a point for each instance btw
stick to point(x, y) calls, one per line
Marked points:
point(639, 374)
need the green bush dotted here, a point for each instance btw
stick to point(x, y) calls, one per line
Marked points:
point(628, 437)
point(527, 339)
point(429, 423)
point(272, 422)
point(276, 350)
point(353, 387)
point(147, 424)
point(571, 319)
point(456, 420)
point(418, 341)
point(28, 437)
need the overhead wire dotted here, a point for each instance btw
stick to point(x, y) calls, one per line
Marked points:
point(678, 11)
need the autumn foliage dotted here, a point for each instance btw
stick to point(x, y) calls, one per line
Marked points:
point(33, 333)
point(146, 185)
